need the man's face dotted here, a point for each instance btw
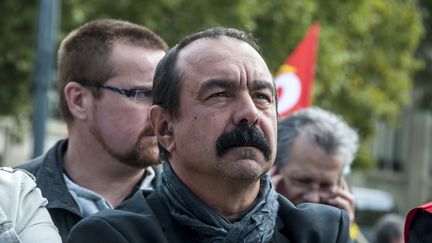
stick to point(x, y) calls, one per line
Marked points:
point(227, 115)
point(119, 123)
point(311, 175)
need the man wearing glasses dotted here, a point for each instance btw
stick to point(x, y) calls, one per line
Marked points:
point(105, 71)
point(315, 150)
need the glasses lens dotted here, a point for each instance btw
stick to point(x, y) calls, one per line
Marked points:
point(141, 95)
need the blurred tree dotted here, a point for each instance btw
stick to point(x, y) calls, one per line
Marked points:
point(365, 60)
point(16, 59)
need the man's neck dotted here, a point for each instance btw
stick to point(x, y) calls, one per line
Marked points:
point(95, 169)
point(229, 198)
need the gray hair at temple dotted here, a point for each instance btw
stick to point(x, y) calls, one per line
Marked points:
point(329, 131)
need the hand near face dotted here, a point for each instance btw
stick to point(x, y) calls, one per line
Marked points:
point(343, 199)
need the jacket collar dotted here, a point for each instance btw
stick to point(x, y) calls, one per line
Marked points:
point(50, 179)
point(143, 200)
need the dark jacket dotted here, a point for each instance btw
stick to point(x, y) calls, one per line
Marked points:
point(145, 218)
point(48, 171)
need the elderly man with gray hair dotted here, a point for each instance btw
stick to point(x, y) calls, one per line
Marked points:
point(315, 150)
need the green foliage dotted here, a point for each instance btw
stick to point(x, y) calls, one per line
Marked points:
point(16, 59)
point(366, 51)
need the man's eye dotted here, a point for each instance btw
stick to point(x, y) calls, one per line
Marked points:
point(143, 93)
point(219, 94)
point(327, 185)
point(140, 94)
point(302, 181)
point(263, 97)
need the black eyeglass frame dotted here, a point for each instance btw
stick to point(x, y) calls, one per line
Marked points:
point(134, 94)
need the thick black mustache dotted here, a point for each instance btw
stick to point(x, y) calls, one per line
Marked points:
point(243, 135)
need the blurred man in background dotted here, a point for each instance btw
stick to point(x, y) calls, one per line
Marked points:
point(315, 151)
point(105, 78)
point(389, 229)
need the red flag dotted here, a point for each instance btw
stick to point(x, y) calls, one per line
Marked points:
point(295, 77)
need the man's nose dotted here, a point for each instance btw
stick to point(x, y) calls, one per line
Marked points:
point(311, 196)
point(246, 111)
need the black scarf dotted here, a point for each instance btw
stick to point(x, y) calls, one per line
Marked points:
point(255, 225)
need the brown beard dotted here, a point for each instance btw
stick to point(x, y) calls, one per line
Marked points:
point(138, 156)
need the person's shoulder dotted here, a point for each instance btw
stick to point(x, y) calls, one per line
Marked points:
point(321, 213)
point(15, 185)
point(133, 221)
point(418, 224)
point(35, 164)
point(308, 211)
point(325, 223)
point(10, 177)
point(32, 165)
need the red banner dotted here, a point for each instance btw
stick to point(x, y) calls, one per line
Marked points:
point(295, 77)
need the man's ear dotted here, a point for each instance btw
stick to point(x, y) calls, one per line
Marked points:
point(161, 122)
point(77, 99)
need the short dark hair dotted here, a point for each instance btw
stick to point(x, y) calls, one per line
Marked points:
point(84, 53)
point(168, 80)
point(388, 228)
point(328, 130)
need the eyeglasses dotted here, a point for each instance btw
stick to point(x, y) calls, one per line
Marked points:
point(137, 95)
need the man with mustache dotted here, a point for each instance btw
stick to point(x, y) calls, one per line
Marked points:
point(215, 118)
point(105, 79)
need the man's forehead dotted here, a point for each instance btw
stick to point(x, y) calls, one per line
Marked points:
point(222, 56)
point(222, 47)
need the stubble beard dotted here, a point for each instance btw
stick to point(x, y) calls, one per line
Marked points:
point(140, 156)
point(240, 171)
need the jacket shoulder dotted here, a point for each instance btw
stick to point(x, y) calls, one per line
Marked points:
point(420, 228)
point(33, 165)
point(47, 161)
point(311, 222)
point(11, 179)
point(123, 224)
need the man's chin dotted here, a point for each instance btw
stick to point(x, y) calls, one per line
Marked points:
point(140, 160)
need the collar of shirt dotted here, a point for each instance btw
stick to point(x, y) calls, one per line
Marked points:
point(90, 202)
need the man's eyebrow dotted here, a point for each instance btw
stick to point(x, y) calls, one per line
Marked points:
point(231, 84)
point(261, 84)
point(217, 83)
